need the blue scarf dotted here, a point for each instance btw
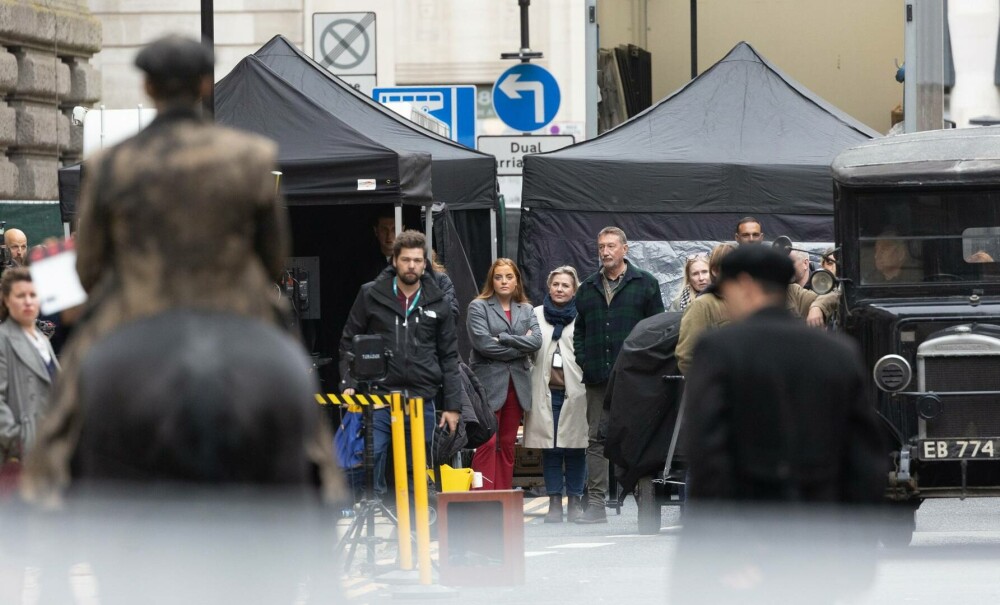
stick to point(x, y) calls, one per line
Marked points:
point(559, 317)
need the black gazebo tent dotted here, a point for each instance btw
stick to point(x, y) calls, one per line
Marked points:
point(335, 181)
point(324, 159)
point(463, 178)
point(740, 139)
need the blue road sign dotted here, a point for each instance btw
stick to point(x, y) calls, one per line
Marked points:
point(526, 97)
point(453, 105)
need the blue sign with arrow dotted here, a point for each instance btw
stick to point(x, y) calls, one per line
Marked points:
point(526, 97)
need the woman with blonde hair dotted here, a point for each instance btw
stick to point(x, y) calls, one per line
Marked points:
point(28, 366)
point(557, 421)
point(696, 278)
point(505, 335)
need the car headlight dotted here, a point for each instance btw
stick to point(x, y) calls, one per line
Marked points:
point(892, 373)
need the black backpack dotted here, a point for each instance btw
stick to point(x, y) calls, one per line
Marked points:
point(480, 421)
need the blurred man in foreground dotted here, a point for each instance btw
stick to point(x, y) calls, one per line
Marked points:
point(182, 215)
point(788, 434)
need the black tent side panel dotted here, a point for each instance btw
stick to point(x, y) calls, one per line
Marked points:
point(551, 182)
point(550, 238)
point(69, 191)
point(461, 276)
point(473, 228)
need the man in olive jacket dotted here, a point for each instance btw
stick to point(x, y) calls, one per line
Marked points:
point(609, 304)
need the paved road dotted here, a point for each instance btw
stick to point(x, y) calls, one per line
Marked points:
point(955, 557)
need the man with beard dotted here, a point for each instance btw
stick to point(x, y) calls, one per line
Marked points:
point(409, 311)
point(17, 242)
point(609, 303)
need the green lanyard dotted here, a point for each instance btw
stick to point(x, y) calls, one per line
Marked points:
point(416, 297)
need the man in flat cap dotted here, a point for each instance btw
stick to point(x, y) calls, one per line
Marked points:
point(778, 411)
point(776, 415)
point(182, 215)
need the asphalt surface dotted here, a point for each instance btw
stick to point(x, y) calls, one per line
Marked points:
point(954, 558)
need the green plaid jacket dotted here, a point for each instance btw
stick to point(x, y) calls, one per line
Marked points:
point(600, 329)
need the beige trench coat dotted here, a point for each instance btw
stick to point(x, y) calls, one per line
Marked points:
point(573, 417)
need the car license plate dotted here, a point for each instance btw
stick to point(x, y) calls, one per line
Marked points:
point(959, 449)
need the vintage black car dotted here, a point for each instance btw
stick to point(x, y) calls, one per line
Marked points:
point(918, 231)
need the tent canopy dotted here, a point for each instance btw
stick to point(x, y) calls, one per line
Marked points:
point(324, 160)
point(463, 178)
point(741, 137)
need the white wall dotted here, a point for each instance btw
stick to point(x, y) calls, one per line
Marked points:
point(973, 46)
point(419, 41)
point(241, 27)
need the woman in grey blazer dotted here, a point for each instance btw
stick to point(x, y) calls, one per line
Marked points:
point(505, 335)
point(27, 366)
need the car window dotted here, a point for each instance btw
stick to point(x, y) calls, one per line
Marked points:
point(908, 238)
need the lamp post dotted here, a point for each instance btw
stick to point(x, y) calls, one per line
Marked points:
point(524, 54)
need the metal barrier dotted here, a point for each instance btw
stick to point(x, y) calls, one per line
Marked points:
point(415, 408)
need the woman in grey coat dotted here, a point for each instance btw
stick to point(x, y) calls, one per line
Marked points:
point(505, 335)
point(27, 366)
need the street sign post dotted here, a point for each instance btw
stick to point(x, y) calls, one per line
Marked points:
point(453, 105)
point(526, 97)
point(344, 43)
point(510, 150)
point(363, 84)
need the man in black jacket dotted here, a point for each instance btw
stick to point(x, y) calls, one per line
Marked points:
point(792, 424)
point(409, 311)
point(778, 417)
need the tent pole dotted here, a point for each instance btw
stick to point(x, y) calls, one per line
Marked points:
point(208, 38)
point(428, 229)
point(399, 219)
point(694, 39)
point(493, 233)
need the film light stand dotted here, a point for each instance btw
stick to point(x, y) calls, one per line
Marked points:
point(371, 368)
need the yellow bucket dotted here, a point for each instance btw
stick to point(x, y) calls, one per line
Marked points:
point(453, 479)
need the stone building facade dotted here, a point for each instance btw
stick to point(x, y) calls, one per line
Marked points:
point(45, 48)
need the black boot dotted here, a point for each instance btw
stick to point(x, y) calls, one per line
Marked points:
point(555, 513)
point(575, 509)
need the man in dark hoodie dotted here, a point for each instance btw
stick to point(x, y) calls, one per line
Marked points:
point(411, 313)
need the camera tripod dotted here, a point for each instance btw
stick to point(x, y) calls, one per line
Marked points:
point(371, 503)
